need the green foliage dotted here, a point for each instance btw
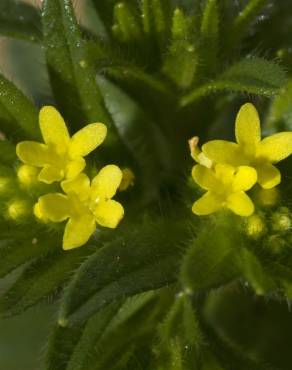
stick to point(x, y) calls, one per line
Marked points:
point(148, 294)
point(20, 20)
point(18, 115)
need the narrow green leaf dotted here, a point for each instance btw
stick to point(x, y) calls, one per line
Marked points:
point(14, 253)
point(60, 346)
point(180, 337)
point(254, 273)
point(142, 138)
point(144, 259)
point(181, 53)
point(70, 66)
point(41, 279)
point(19, 20)
point(156, 17)
point(18, 116)
point(210, 36)
point(252, 75)
point(110, 333)
point(280, 113)
point(127, 27)
point(244, 19)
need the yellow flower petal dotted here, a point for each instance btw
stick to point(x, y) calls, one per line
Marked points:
point(224, 172)
point(106, 182)
point(244, 179)
point(207, 204)
point(247, 128)
point(78, 231)
point(79, 186)
point(33, 153)
point(54, 206)
point(53, 128)
point(109, 213)
point(50, 174)
point(205, 177)
point(268, 176)
point(276, 147)
point(221, 151)
point(38, 214)
point(73, 168)
point(240, 204)
point(87, 139)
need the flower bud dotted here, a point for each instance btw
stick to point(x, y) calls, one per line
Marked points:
point(281, 220)
point(18, 209)
point(255, 226)
point(27, 175)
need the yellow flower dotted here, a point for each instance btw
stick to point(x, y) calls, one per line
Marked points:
point(250, 150)
point(225, 187)
point(61, 156)
point(84, 204)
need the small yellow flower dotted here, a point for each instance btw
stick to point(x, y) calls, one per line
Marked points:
point(250, 150)
point(225, 187)
point(61, 156)
point(127, 180)
point(84, 204)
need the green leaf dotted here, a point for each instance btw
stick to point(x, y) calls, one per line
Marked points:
point(254, 273)
point(251, 75)
point(211, 258)
point(181, 53)
point(40, 279)
point(142, 138)
point(244, 19)
point(180, 337)
point(156, 18)
point(60, 346)
point(145, 258)
point(280, 113)
point(19, 20)
point(14, 253)
point(70, 66)
point(210, 36)
point(127, 27)
point(18, 116)
point(110, 335)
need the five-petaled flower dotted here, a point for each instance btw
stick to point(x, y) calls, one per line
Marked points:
point(225, 187)
point(250, 150)
point(61, 156)
point(84, 205)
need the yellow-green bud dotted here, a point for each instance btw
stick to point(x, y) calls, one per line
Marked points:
point(27, 175)
point(281, 220)
point(18, 209)
point(255, 226)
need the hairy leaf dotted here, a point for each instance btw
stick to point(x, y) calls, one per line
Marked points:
point(18, 116)
point(252, 75)
point(70, 66)
point(39, 280)
point(146, 258)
